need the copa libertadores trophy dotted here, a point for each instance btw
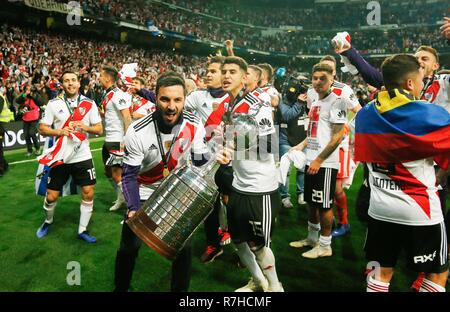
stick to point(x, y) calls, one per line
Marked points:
point(184, 199)
point(176, 208)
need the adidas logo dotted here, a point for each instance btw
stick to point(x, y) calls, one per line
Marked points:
point(265, 123)
point(204, 105)
point(152, 147)
point(61, 111)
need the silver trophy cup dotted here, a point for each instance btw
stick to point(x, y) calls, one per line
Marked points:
point(176, 209)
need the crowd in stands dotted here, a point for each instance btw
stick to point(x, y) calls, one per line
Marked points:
point(37, 59)
point(350, 15)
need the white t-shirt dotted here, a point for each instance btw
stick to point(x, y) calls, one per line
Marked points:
point(322, 114)
point(142, 148)
point(57, 113)
point(405, 193)
point(202, 103)
point(253, 175)
point(115, 101)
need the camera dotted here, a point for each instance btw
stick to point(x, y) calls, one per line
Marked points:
point(292, 87)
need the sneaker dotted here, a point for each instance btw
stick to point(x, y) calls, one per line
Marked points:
point(211, 253)
point(303, 243)
point(341, 230)
point(253, 286)
point(286, 202)
point(38, 151)
point(301, 199)
point(225, 237)
point(318, 252)
point(117, 205)
point(29, 154)
point(43, 229)
point(87, 238)
point(278, 288)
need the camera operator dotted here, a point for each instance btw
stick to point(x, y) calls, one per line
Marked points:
point(29, 102)
point(293, 122)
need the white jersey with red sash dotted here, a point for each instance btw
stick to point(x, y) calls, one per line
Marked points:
point(59, 113)
point(114, 101)
point(262, 95)
point(141, 106)
point(437, 91)
point(142, 148)
point(271, 91)
point(203, 103)
point(251, 176)
point(405, 193)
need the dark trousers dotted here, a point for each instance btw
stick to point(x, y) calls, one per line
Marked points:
point(30, 133)
point(443, 197)
point(224, 181)
point(212, 225)
point(3, 163)
point(126, 259)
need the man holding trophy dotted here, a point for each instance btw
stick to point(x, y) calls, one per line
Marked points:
point(154, 146)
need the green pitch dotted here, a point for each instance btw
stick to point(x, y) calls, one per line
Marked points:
point(32, 264)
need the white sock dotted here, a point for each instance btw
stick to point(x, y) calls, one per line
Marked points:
point(249, 260)
point(120, 198)
point(86, 209)
point(376, 286)
point(325, 241)
point(429, 286)
point(49, 211)
point(313, 232)
point(266, 261)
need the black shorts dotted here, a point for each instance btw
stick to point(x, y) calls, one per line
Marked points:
point(251, 217)
point(109, 146)
point(83, 173)
point(320, 187)
point(224, 179)
point(425, 246)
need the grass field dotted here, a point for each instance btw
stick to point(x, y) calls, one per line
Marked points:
point(32, 264)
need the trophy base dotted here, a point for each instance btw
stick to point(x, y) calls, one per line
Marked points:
point(143, 227)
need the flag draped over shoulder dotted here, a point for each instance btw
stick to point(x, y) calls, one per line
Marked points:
point(398, 128)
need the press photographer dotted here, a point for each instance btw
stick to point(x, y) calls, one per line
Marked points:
point(293, 122)
point(29, 102)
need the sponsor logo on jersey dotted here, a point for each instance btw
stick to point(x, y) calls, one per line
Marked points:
point(265, 123)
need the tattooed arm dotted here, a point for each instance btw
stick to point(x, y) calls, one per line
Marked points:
point(338, 133)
